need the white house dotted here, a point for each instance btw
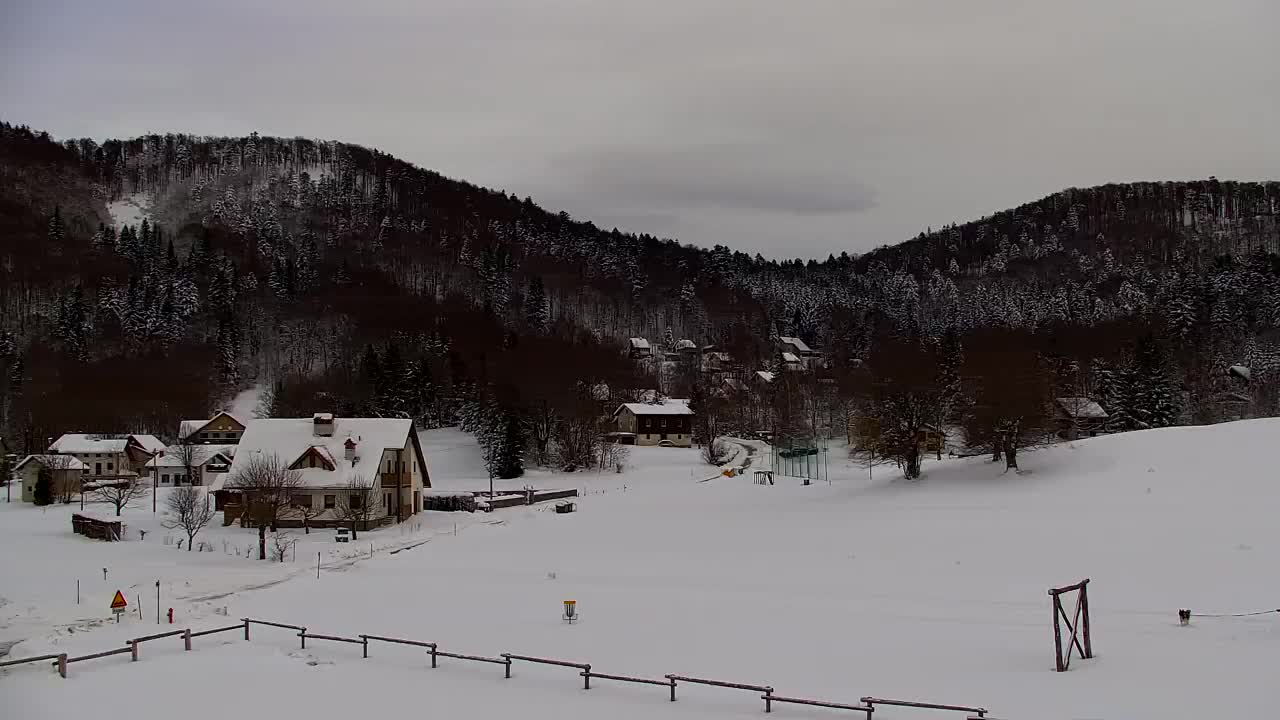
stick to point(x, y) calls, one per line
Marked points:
point(66, 474)
point(108, 457)
point(331, 454)
point(208, 461)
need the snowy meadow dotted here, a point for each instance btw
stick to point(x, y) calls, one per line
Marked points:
point(927, 590)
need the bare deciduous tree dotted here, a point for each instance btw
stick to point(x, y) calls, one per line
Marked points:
point(359, 505)
point(282, 543)
point(302, 505)
point(65, 484)
point(190, 456)
point(613, 454)
point(190, 511)
point(266, 484)
point(121, 492)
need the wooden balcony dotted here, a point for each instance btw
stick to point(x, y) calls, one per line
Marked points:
point(395, 479)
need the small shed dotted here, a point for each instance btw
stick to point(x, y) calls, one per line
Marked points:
point(1079, 416)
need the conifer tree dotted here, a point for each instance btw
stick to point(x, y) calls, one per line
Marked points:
point(537, 310)
point(43, 493)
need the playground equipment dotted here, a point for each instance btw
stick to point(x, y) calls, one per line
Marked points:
point(571, 611)
point(801, 456)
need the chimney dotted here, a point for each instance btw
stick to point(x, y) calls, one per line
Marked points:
point(323, 424)
point(350, 445)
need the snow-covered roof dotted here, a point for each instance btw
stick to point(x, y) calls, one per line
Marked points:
point(82, 443)
point(797, 343)
point(670, 407)
point(71, 463)
point(639, 343)
point(289, 438)
point(1240, 371)
point(171, 457)
point(765, 375)
point(150, 443)
point(790, 357)
point(187, 428)
point(1081, 408)
point(686, 345)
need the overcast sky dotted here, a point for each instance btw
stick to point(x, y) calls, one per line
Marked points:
point(790, 127)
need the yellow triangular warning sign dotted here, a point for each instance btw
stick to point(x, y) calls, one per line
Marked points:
point(118, 601)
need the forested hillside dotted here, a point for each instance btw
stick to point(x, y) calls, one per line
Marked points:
point(349, 280)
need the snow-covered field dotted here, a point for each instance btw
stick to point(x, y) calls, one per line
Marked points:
point(929, 590)
point(130, 210)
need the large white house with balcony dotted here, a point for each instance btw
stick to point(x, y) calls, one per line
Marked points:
point(331, 455)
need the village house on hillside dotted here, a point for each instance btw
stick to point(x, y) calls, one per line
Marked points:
point(639, 348)
point(333, 456)
point(108, 457)
point(670, 422)
point(221, 429)
point(797, 355)
point(169, 466)
point(65, 473)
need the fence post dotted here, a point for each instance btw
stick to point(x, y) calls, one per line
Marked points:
point(673, 688)
point(508, 665)
point(133, 650)
point(768, 700)
point(62, 665)
point(1084, 603)
point(246, 628)
point(364, 640)
point(303, 635)
point(586, 677)
point(186, 639)
point(433, 655)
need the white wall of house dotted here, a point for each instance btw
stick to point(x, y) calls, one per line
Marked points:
point(111, 463)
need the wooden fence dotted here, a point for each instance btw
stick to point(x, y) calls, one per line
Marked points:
point(506, 660)
point(95, 528)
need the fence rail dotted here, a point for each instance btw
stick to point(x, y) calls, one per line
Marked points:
point(215, 631)
point(104, 653)
point(768, 691)
point(157, 636)
point(584, 667)
point(506, 659)
point(61, 663)
point(286, 626)
point(873, 701)
point(768, 699)
point(630, 679)
point(474, 658)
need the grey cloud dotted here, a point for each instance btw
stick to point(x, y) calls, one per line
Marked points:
point(788, 128)
point(712, 177)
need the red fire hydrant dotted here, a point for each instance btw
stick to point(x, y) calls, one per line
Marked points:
point(170, 616)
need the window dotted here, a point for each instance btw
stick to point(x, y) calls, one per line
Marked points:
point(356, 500)
point(664, 422)
point(111, 466)
point(648, 422)
point(330, 501)
point(300, 501)
point(164, 479)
